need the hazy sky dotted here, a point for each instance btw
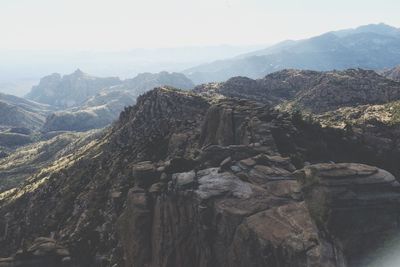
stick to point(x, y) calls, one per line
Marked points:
point(124, 24)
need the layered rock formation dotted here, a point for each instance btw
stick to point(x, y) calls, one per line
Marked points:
point(186, 180)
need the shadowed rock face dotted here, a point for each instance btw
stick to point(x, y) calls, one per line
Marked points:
point(354, 203)
point(186, 180)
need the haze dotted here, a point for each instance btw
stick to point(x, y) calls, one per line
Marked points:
point(126, 24)
point(125, 37)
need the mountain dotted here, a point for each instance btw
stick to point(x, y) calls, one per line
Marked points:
point(189, 179)
point(393, 74)
point(21, 163)
point(69, 90)
point(310, 90)
point(85, 102)
point(97, 112)
point(74, 89)
point(19, 112)
point(19, 120)
point(144, 82)
point(375, 46)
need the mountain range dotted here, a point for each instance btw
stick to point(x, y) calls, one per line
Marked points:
point(292, 168)
point(74, 102)
point(375, 46)
point(221, 176)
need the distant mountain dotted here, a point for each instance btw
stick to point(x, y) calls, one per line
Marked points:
point(19, 118)
point(393, 74)
point(73, 90)
point(87, 102)
point(20, 112)
point(97, 112)
point(312, 91)
point(146, 81)
point(69, 90)
point(375, 46)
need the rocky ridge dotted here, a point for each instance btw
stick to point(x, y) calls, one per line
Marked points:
point(182, 179)
point(310, 91)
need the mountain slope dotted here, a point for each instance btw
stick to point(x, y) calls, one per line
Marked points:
point(19, 112)
point(21, 163)
point(97, 112)
point(20, 120)
point(369, 47)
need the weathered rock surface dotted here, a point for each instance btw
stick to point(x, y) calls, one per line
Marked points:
point(354, 204)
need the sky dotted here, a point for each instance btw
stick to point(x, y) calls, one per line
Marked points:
point(127, 24)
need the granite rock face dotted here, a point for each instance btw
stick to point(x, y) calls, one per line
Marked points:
point(217, 218)
point(354, 203)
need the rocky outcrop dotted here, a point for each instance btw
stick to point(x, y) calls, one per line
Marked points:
point(186, 180)
point(354, 204)
point(250, 214)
